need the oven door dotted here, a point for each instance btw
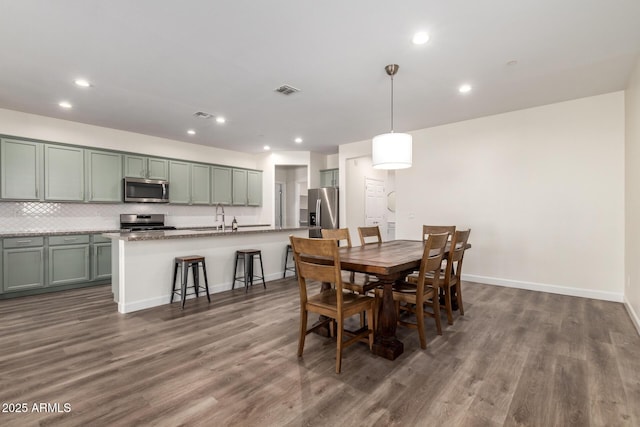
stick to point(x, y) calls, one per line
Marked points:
point(142, 190)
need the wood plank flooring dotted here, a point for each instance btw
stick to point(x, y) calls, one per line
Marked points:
point(516, 358)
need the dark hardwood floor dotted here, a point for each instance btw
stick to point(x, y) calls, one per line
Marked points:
point(516, 358)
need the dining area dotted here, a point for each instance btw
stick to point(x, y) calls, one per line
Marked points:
point(386, 283)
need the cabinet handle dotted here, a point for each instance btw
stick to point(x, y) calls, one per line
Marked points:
point(70, 239)
point(22, 242)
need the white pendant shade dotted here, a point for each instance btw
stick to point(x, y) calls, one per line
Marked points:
point(392, 151)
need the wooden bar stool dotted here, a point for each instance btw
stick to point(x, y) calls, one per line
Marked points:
point(185, 262)
point(248, 257)
point(287, 267)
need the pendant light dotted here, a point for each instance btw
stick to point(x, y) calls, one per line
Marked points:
point(392, 150)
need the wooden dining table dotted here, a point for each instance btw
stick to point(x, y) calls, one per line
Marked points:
point(389, 262)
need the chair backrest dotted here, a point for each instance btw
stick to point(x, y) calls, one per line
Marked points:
point(437, 229)
point(432, 259)
point(456, 252)
point(318, 260)
point(368, 232)
point(339, 234)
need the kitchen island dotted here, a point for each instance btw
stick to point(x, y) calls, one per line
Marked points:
point(142, 263)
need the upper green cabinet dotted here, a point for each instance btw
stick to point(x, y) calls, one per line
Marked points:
point(239, 185)
point(63, 173)
point(254, 188)
point(20, 169)
point(145, 167)
point(221, 185)
point(179, 182)
point(329, 178)
point(104, 176)
point(247, 187)
point(200, 184)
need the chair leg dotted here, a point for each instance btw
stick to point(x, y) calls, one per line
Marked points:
point(185, 277)
point(371, 327)
point(235, 272)
point(303, 330)
point(264, 285)
point(339, 344)
point(247, 271)
point(447, 304)
point(195, 271)
point(459, 297)
point(436, 312)
point(420, 323)
point(175, 276)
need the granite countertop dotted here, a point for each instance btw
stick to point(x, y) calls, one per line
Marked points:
point(10, 234)
point(194, 233)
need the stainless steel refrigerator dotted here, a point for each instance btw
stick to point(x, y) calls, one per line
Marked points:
point(323, 209)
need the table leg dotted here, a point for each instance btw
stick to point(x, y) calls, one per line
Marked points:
point(386, 344)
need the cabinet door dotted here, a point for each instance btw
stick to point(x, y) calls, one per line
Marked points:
point(68, 264)
point(179, 182)
point(23, 269)
point(135, 166)
point(64, 173)
point(101, 261)
point(221, 185)
point(200, 184)
point(157, 168)
point(325, 178)
point(104, 176)
point(254, 188)
point(239, 187)
point(21, 168)
point(335, 180)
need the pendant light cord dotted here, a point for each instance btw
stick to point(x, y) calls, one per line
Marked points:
point(391, 103)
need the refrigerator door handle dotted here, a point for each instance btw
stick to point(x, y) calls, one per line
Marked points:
point(318, 219)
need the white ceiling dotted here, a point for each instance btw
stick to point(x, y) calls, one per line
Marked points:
point(154, 63)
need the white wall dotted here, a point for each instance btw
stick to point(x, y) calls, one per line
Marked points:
point(542, 190)
point(632, 212)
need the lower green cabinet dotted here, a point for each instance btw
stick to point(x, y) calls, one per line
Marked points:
point(23, 269)
point(68, 264)
point(37, 264)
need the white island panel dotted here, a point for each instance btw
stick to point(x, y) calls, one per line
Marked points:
point(143, 269)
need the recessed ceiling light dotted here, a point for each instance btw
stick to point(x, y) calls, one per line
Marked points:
point(191, 132)
point(82, 83)
point(465, 88)
point(420, 38)
point(65, 104)
point(298, 140)
point(267, 148)
point(512, 63)
point(220, 119)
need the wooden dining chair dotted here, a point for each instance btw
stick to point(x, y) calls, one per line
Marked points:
point(368, 233)
point(319, 260)
point(437, 229)
point(342, 235)
point(450, 277)
point(417, 296)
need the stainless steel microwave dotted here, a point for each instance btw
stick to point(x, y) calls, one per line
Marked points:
point(143, 190)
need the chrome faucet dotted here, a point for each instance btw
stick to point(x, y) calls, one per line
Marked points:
point(218, 208)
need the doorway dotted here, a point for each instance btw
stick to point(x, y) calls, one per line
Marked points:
point(375, 205)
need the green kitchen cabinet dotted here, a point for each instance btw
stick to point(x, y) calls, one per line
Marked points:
point(179, 182)
point(104, 176)
point(63, 173)
point(101, 261)
point(329, 178)
point(200, 184)
point(68, 259)
point(239, 184)
point(145, 167)
point(221, 185)
point(23, 264)
point(254, 188)
point(20, 169)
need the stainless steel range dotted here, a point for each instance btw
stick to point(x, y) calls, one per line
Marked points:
point(139, 222)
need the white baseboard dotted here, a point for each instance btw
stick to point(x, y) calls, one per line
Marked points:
point(542, 287)
point(632, 313)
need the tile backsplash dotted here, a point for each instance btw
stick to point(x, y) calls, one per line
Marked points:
point(46, 216)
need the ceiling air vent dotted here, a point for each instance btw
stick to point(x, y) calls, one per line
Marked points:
point(203, 115)
point(287, 90)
